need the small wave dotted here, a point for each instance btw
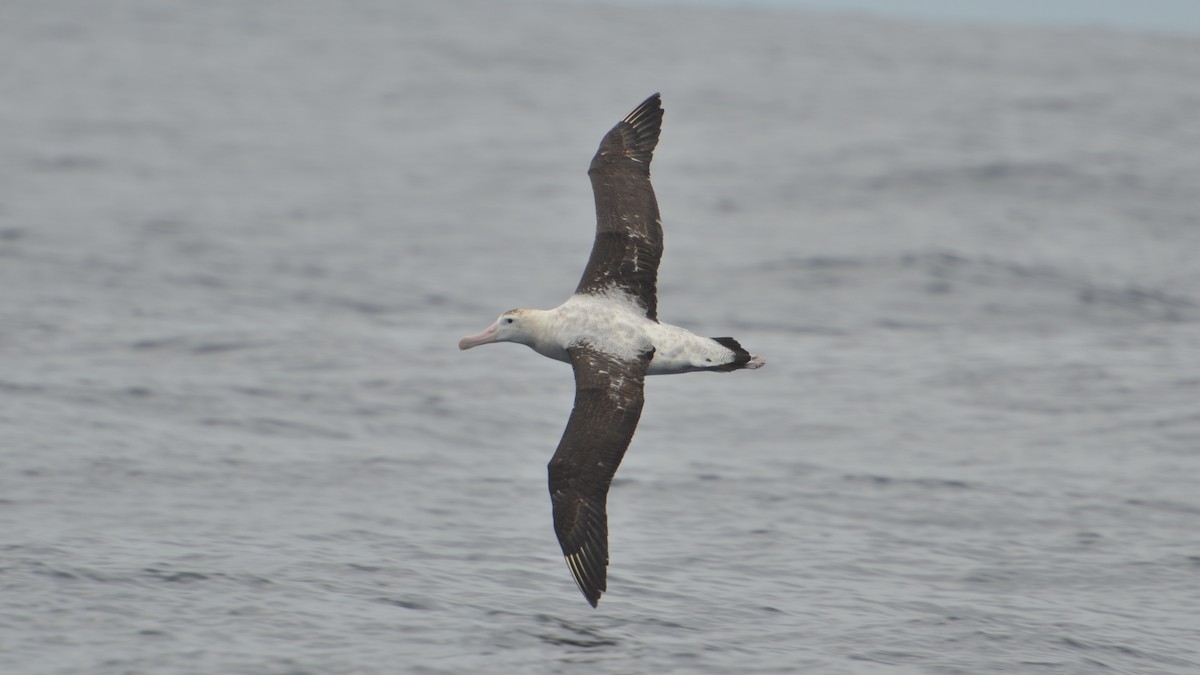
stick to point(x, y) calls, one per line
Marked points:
point(405, 604)
point(267, 426)
point(165, 574)
point(174, 577)
point(573, 635)
point(192, 344)
point(926, 483)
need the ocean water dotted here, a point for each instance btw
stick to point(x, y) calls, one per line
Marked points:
point(239, 242)
point(1174, 16)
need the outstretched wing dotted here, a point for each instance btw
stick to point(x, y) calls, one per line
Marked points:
point(608, 403)
point(629, 239)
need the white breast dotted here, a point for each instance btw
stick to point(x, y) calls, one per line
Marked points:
point(612, 323)
point(617, 324)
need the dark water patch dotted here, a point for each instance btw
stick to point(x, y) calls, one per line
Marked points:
point(21, 388)
point(267, 426)
point(802, 327)
point(349, 535)
point(1028, 177)
point(166, 226)
point(68, 164)
point(438, 300)
point(68, 574)
point(896, 324)
point(1059, 104)
point(1166, 505)
point(199, 280)
point(259, 392)
point(663, 623)
point(221, 347)
point(55, 573)
point(193, 345)
point(352, 304)
point(363, 306)
point(405, 604)
point(888, 657)
point(1061, 287)
point(816, 273)
point(165, 574)
point(434, 405)
point(941, 483)
point(1166, 306)
point(877, 480)
point(151, 344)
point(1180, 420)
point(1084, 646)
point(174, 577)
point(991, 576)
point(572, 635)
point(1043, 391)
point(1129, 659)
point(924, 483)
point(817, 262)
point(305, 269)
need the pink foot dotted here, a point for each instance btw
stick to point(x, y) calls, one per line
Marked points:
point(755, 362)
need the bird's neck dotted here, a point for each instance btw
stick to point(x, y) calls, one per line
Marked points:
point(540, 333)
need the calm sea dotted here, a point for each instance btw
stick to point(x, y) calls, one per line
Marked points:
point(239, 242)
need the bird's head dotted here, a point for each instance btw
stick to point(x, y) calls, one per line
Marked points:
point(515, 325)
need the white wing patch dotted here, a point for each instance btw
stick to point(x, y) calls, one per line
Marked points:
point(614, 391)
point(634, 261)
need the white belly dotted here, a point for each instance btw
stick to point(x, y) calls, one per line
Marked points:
point(678, 350)
point(622, 329)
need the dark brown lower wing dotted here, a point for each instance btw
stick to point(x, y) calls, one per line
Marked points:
point(608, 403)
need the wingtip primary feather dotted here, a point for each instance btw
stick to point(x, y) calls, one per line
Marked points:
point(633, 138)
point(651, 105)
point(646, 120)
point(577, 563)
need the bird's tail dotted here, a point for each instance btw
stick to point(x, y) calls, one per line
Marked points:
point(741, 357)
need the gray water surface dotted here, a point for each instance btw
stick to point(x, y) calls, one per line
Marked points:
point(239, 242)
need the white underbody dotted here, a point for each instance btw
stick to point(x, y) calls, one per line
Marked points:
point(617, 325)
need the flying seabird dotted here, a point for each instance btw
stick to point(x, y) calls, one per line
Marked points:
point(609, 332)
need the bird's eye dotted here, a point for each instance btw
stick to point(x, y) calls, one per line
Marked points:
point(508, 320)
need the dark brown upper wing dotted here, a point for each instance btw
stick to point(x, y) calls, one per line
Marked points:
point(608, 403)
point(629, 240)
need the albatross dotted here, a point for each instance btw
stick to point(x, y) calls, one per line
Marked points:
point(609, 332)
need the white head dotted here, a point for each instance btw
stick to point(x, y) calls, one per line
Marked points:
point(515, 325)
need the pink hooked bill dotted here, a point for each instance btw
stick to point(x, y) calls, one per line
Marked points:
point(488, 335)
